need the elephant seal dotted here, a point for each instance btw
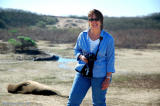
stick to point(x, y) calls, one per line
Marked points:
point(32, 87)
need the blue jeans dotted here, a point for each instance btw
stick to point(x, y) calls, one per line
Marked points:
point(80, 87)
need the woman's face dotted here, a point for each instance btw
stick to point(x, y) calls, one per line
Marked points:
point(94, 22)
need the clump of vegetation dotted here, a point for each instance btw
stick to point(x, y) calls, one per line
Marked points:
point(41, 24)
point(151, 21)
point(20, 18)
point(22, 43)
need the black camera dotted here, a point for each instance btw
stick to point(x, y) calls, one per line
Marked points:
point(90, 57)
point(87, 69)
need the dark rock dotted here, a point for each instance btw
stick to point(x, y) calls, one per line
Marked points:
point(52, 58)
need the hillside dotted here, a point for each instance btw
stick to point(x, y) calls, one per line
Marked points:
point(129, 32)
point(151, 21)
point(66, 22)
point(19, 18)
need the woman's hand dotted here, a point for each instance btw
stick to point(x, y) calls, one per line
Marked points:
point(83, 58)
point(105, 84)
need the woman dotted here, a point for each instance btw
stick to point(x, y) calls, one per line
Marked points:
point(103, 68)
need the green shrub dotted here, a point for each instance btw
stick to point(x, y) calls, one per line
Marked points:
point(22, 43)
point(14, 43)
point(26, 42)
point(13, 31)
point(50, 20)
point(41, 24)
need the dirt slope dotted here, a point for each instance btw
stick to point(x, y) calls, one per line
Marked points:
point(64, 22)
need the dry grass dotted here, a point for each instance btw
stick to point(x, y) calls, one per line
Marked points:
point(136, 38)
point(150, 81)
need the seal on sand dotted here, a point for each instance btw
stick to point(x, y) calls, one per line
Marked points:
point(32, 87)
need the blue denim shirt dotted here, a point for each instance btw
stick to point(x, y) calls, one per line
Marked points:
point(105, 57)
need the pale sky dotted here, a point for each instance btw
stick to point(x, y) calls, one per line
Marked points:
point(116, 8)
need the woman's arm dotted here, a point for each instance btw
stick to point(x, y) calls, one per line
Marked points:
point(77, 48)
point(110, 64)
point(106, 82)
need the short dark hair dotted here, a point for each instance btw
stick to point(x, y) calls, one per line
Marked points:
point(98, 15)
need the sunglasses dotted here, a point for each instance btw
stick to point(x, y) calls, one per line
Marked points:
point(93, 19)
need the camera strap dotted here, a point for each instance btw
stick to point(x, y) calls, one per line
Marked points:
point(101, 38)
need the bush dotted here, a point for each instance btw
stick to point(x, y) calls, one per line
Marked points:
point(2, 24)
point(22, 43)
point(50, 20)
point(14, 43)
point(13, 31)
point(26, 42)
point(41, 24)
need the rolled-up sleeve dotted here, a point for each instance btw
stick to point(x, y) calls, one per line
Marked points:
point(111, 56)
point(77, 49)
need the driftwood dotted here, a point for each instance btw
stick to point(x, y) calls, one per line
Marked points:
point(32, 87)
